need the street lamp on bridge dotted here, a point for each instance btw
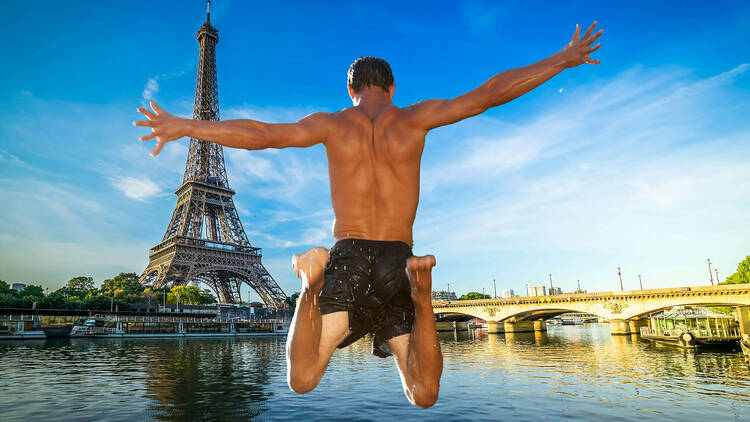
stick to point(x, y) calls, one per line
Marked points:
point(640, 282)
point(710, 274)
point(717, 275)
point(620, 274)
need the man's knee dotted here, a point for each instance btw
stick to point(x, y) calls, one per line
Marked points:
point(302, 383)
point(425, 395)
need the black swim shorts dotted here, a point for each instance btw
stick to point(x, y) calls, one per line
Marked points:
point(367, 278)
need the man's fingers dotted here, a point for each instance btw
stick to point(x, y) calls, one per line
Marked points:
point(576, 34)
point(597, 35)
point(588, 31)
point(143, 123)
point(147, 137)
point(591, 61)
point(594, 48)
point(159, 146)
point(147, 113)
point(156, 108)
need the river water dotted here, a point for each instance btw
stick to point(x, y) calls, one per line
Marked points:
point(568, 373)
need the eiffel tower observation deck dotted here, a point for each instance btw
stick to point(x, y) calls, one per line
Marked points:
point(205, 241)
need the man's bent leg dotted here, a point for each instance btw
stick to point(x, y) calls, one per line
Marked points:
point(418, 356)
point(312, 337)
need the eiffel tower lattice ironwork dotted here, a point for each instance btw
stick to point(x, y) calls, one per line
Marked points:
point(205, 241)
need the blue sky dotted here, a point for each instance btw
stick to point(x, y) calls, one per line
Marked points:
point(641, 162)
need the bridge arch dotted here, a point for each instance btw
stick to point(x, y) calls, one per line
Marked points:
point(450, 312)
point(544, 314)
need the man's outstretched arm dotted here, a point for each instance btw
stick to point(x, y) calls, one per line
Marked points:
point(505, 86)
point(243, 133)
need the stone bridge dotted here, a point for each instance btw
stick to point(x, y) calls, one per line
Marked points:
point(626, 310)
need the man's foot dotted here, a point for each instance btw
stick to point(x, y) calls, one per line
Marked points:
point(419, 271)
point(310, 265)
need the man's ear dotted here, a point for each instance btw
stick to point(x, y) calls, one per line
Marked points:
point(392, 90)
point(351, 91)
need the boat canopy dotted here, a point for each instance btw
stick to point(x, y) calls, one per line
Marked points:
point(684, 312)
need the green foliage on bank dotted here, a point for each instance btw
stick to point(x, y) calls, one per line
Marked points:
point(190, 295)
point(121, 292)
point(742, 275)
point(474, 296)
point(291, 301)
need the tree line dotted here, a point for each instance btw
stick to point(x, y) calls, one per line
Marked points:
point(121, 292)
point(742, 275)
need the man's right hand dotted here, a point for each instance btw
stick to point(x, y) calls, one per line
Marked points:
point(164, 126)
point(578, 49)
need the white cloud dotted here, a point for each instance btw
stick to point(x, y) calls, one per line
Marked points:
point(150, 90)
point(11, 160)
point(139, 188)
point(647, 171)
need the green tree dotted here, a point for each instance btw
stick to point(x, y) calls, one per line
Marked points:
point(742, 275)
point(4, 287)
point(189, 295)
point(32, 291)
point(292, 301)
point(124, 285)
point(79, 286)
point(149, 295)
point(474, 296)
point(7, 300)
point(207, 297)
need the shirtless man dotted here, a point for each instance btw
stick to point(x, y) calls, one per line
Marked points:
point(369, 282)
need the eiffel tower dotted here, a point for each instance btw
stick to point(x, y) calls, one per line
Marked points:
point(205, 241)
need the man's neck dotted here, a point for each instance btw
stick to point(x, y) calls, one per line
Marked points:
point(371, 99)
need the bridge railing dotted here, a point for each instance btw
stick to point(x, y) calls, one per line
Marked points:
point(692, 290)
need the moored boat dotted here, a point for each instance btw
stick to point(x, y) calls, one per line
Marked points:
point(140, 326)
point(690, 327)
point(20, 327)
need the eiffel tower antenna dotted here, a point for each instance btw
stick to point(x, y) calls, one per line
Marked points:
point(208, 11)
point(205, 241)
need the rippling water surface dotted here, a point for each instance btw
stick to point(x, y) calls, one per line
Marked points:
point(568, 373)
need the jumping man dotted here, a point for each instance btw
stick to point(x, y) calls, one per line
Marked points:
point(370, 282)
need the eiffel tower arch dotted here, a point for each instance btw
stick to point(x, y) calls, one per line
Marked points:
point(205, 240)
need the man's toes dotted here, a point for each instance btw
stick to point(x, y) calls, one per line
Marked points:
point(420, 263)
point(430, 261)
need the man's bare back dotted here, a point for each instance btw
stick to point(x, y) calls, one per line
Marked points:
point(373, 164)
point(374, 150)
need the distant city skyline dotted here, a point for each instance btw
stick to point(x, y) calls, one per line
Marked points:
point(639, 163)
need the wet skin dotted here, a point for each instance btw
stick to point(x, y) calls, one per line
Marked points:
point(374, 150)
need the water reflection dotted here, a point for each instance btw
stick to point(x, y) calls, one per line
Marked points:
point(188, 378)
point(579, 373)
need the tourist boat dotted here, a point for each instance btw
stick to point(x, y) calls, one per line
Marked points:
point(20, 327)
point(144, 326)
point(691, 327)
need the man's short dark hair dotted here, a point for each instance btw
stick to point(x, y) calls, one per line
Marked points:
point(370, 71)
